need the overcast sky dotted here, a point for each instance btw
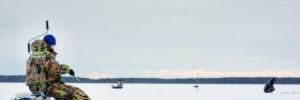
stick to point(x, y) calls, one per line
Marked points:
point(157, 38)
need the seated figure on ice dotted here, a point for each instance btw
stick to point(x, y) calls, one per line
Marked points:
point(52, 70)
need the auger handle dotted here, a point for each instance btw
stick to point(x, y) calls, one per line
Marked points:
point(47, 25)
point(28, 47)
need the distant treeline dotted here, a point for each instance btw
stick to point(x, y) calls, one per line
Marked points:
point(225, 80)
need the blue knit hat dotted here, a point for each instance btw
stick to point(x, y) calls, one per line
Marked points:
point(50, 40)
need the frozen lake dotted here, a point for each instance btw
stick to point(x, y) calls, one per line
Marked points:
point(171, 92)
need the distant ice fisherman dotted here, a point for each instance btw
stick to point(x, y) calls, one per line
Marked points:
point(118, 86)
point(269, 88)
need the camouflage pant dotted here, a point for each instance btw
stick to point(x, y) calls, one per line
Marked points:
point(60, 91)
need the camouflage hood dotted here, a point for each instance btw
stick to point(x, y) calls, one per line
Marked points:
point(39, 45)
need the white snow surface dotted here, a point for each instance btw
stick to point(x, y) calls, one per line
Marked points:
point(171, 91)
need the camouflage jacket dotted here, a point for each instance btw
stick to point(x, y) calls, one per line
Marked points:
point(52, 69)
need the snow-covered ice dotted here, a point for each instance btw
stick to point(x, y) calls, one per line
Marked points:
point(171, 91)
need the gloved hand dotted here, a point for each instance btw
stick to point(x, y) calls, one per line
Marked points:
point(71, 72)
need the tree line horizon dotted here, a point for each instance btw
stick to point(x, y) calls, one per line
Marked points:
point(220, 80)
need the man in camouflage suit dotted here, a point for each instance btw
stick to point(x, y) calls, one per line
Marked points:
point(53, 85)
